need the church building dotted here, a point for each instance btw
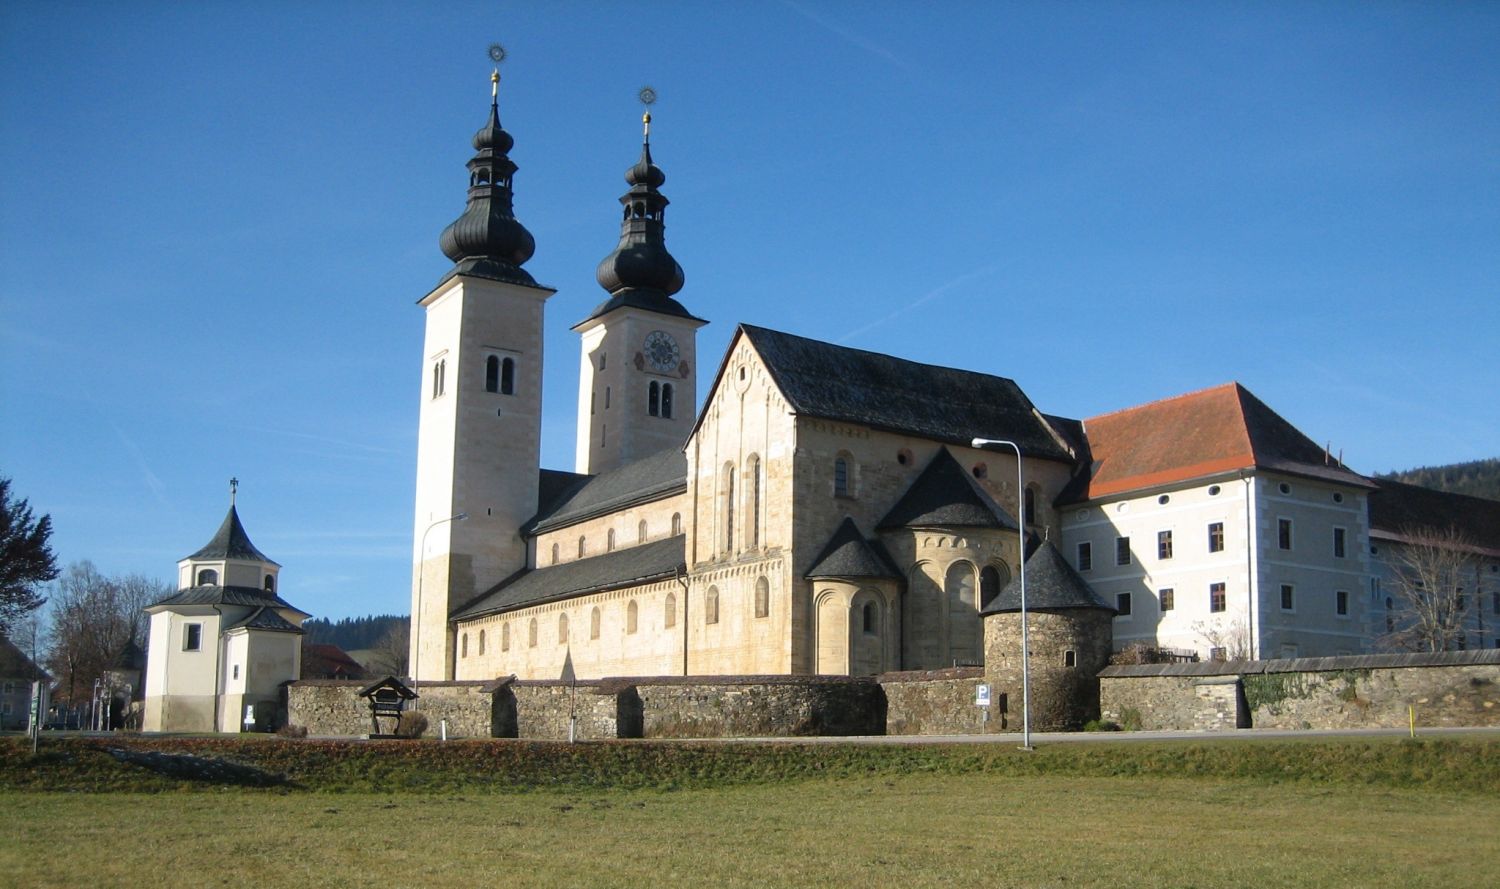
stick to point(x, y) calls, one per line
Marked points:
point(828, 510)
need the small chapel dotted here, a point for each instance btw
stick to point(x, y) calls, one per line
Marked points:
point(221, 648)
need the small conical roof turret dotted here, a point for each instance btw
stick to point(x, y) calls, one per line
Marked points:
point(487, 241)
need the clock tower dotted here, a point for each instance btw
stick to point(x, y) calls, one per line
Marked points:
point(637, 389)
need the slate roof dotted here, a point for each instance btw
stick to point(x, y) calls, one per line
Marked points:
point(231, 542)
point(946, 495)
point(849, 554)
point(265, 618)
point(14, 664)
point(621, 568)
point(212, 594)
point(869, 389)
point(1397, 508)
point(326, 660)
point(1197, 435)
point(649, 478)
point(1051, 584)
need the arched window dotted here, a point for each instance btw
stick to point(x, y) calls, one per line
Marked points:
point(505, 637)
point(554, 554)
point(670, 618)
point(843, 474)
point(492, 374)
point(964, 630)
point(463, 645)
point(726, 506)
point(632, 615)
point(867, 617)
point(562, 629)
point(581, 547)
point(609, 541)
point(438, 372)
point(208, 577)
point(481, 641)
point(1030, 505)
point(531, 634)
point(711, 606)
point(508, 377)
point(270, 583)
point(762, 597)
point(752, 508)
point(653, 399)
point(594, 619)
point(666, 401)
point(991, 581)
point(676, 523)
point(640, 532)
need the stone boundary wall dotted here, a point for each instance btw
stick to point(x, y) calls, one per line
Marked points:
point(938, 702)
point(542, 710)
point(758, 706)
point(334, 707)
point(1457, 688)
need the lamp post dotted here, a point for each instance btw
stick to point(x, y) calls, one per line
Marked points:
point(985, 443)
point(416, 654)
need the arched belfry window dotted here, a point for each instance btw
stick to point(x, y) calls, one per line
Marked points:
point(270, 583)
point(492, 374)
point(207, 577)
point(666, 401)
point(653, 399)
point(508, 376)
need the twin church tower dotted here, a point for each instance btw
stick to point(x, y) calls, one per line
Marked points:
point(479, 439)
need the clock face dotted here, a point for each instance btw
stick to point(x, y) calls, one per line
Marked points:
point(661, 351)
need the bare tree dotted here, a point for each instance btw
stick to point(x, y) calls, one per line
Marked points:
point(92, 618)
point(1225, 641)
point(1430, 568)
point(388, 655)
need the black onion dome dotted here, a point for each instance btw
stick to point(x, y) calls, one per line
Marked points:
point(488, 241)
point(641, 261)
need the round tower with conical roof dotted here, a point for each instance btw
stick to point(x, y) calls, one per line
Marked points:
point(637, 390)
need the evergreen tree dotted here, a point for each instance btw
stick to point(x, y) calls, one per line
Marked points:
point(26, 559)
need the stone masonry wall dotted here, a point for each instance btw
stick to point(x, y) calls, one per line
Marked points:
point(1370, 691)
point(542, 710)
point(759, 706)
point(334, 707)
point(938, 702)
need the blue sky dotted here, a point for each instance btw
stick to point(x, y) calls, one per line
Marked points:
point(217, 218)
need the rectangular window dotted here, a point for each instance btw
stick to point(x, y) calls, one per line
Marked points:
point(1216, 598)
point(1122, 550)
point(1168, 599)
point(192, 637)
point(10, 688)
point(1284, 533)
point(1164, 544)
point(1070, 658)
point(1085, 556)
point(1338, 543)
point(1287, 600)
point(1341, 603)
point(236, 672)
point(1122, 604)
point(1216, 537)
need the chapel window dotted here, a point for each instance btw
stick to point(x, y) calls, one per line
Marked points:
point(595, 618)
point(670, 617)
point(632, 616)
point(762, 597)
point(562, 629)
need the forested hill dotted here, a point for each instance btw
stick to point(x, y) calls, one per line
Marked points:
point(1481, 478)
point(352, 633)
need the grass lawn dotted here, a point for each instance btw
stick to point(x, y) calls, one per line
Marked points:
point(907, 830)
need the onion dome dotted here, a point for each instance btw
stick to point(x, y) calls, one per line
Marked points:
point(487, 241)
point(640, 272)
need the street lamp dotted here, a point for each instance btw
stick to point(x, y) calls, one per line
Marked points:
point(983, 443)
point(416, 656)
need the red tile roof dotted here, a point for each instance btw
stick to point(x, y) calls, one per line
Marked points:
point(1197, 435)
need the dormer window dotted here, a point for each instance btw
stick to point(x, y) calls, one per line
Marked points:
point(207, 577)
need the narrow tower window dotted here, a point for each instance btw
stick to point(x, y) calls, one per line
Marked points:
point(492, 374)
point(653, 399)
point(508, 377)
point(666, 401)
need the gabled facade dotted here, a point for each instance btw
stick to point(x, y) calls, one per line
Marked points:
point(224, 642)
point(17, 673)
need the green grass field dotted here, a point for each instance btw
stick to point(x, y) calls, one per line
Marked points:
point(1357, 813)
